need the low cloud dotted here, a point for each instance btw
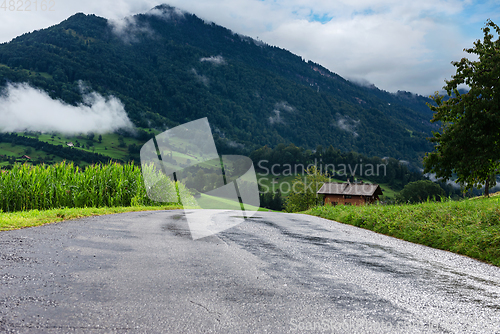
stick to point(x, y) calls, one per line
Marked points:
point(128, 29)
point(231, 143)
point(346, 123)
point(24, 108)
point(200, 77)
point(217, 60)
point(167, 13)
point(284, 106)
point(362, 82)
point(433, 178)
point(276, 118)
point(278, 109)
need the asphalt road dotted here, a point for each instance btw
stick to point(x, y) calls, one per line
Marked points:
point(275, 273)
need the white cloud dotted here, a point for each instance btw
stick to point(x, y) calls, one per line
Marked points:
point(167, 13)
point(200, 77)
point(23, 107)
point(283, 105)
point(217, 60)
point(346, 123)
point(433, 178)
point(278, 108)
point(276, 118)
point(128, 28)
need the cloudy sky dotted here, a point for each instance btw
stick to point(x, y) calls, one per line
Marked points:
point(394, 44)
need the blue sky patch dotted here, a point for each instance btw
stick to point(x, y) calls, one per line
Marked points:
point(325, 18)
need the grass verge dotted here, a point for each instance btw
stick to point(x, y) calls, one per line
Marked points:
point(17, 220)
point(23, 219)
point(468, 227)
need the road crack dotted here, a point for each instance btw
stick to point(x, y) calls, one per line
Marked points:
point(218, 315)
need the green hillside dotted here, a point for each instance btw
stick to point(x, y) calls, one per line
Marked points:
point(170, 68)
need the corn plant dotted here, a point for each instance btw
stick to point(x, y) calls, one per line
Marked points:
point(44, 187)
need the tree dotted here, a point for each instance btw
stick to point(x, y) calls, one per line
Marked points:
point(277, 202)
point(420, 191)
point(121, 141)
point(468, 143)
point(303, 194)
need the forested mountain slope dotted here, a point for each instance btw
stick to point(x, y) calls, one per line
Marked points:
point(169, 67)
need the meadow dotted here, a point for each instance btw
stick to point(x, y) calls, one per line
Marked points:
point(469, 227)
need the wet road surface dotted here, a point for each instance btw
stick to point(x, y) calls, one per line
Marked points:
point(275, 273)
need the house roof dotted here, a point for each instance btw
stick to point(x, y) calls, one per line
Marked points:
point(356, 189)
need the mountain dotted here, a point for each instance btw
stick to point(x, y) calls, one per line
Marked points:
point(169, 67)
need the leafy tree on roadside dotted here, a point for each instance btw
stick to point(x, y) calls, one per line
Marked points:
point(304, 188)
point(271, 200)
point(277, 203)
point(420, 191)
point(468, 143)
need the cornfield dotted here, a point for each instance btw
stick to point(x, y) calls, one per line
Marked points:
point(43, 187)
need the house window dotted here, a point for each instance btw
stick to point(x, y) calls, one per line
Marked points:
point(348, 196)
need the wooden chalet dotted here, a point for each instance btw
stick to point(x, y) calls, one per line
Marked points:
point(350, 193)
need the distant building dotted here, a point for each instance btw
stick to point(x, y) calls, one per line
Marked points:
point(25, 157)
point(70, 144)
point(350, 193)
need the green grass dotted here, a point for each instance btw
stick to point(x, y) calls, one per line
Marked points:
point(24, 219)
point(8, 149)
point(210, 202)
point(467, 227)
point(17, 220)
point(279, 182)
point(389, 194)
point(108, 147)
point(18, 151)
